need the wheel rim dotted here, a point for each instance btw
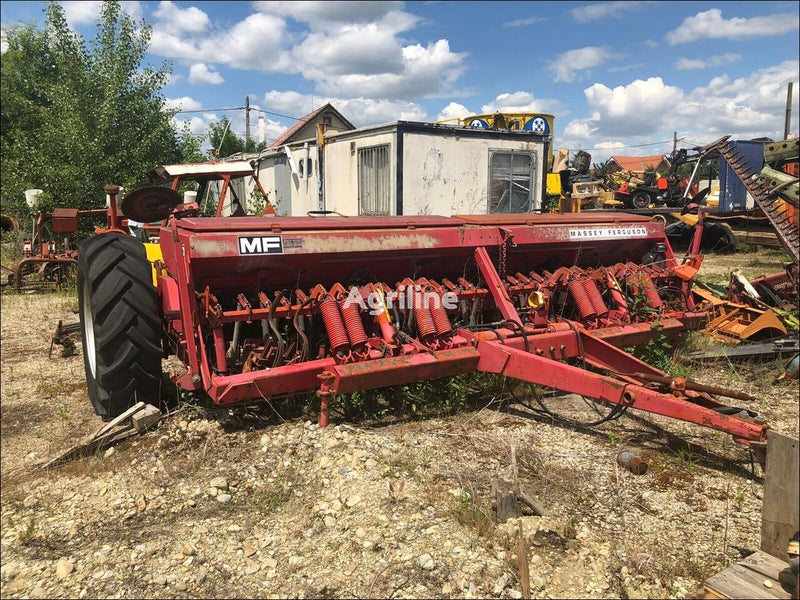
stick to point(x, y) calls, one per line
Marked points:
point(88, 328)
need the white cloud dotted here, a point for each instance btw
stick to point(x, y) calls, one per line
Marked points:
point(686, 64)
point(367, 111)
point(519, 102)
point(183, 103)
point(323, 14)
point(637, 109)
point(359, 111)
point(746, 107)
point(567, 64)
point(523, 22)
point(454, 110)
point(80, 12)
point(353, 49)
point(292, 103)
point(365, 50)
point(580, 129)
point(427, 71)
point(165, 43)
point(191, 19)
point(254, 43)
point(649, 112)
point(604, 10)
point(199, 74)
point(609, 145)
point(197, 125)
point(711, 25)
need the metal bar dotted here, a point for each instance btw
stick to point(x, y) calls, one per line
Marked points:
point(521, 365)
point(496, 287)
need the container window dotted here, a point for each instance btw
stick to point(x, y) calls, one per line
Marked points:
point(374, 192)
point(510, 182)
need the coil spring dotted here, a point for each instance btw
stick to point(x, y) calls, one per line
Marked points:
point(352, 323)
point(595, 297)
point(641, 283)
point(425, 323)
point(653, 299)
point(337, 334)
point(581, 299)
point(441, 320)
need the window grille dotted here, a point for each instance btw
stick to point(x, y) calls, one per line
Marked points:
point(374, 190)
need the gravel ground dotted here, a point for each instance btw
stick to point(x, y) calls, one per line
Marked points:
point(245, 504)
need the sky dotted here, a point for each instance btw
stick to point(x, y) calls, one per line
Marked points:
point(620, 78)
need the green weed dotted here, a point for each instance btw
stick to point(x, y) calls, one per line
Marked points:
point(739, 498)
point(468, 513)
point(685, 458)
point(26, 535)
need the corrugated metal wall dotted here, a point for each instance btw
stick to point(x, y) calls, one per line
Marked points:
point(732, 193)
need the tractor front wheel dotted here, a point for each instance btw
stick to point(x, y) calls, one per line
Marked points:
point(640, 199)
point(120, 324)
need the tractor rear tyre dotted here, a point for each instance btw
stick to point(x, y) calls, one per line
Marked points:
point(640, 200)
point(120, 324)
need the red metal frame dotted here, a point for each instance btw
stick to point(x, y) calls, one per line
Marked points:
point(248, 302)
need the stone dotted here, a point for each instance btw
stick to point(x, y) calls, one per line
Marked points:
point(38, 592)
point(220, 483)
point(64, 568)
point(426, 562)
point(224, 498)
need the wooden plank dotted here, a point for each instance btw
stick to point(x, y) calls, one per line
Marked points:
point(522, 559)
point(117, 420)
point(780, 517)
point(739, 582)
point(709, 593)
point(764, 564)
point(89, 446)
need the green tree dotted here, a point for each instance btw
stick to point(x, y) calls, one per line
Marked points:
point(76, 117)
point(223, 141)
point(226, 143)
point(190, 146)
point(601, 170)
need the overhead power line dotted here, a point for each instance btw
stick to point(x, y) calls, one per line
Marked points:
point(205, 110)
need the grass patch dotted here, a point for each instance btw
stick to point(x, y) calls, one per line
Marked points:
point(471, 514)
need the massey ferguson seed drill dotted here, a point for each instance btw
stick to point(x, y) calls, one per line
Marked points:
point(265, 307)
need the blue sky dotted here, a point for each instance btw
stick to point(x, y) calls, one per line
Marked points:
point(619, 77)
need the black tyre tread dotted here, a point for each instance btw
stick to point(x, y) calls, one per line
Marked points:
point(640, 195)
point(127, 326)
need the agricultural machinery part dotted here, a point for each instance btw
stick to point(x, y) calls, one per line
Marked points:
point(266, 307)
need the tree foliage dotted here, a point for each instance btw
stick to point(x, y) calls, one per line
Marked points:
point(226, 143)
point(76, 117)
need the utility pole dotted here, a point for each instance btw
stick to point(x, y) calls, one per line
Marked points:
point(787, 127)
point(674, 142)
point(247, 120)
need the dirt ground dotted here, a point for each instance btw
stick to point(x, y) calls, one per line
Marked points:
point(250, 503)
